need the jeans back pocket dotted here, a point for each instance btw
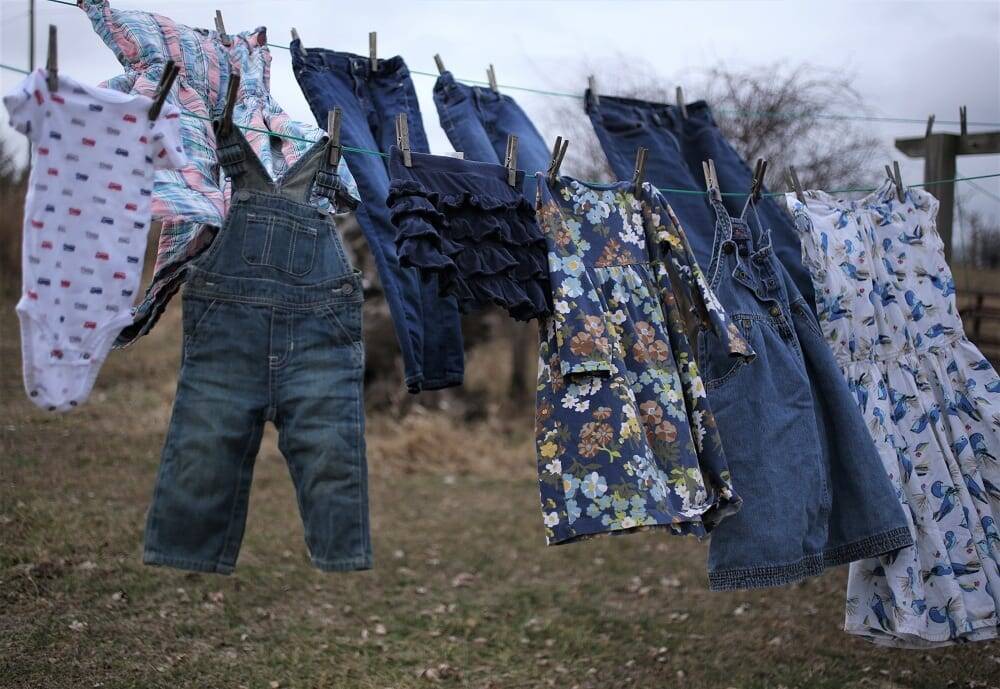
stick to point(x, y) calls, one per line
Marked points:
point(279, 243)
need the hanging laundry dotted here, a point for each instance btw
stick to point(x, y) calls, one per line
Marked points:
point(677, 145)
point(701, 139)
point(272, 332)
point(478, 121)
point(462, 223)
point(619, 447)
point(427, 324)
point(623, 125)
point(86, 221)
point(931, 400)
point(814, 493)
point(192, 202)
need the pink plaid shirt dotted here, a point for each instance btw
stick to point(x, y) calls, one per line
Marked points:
point(191, 202)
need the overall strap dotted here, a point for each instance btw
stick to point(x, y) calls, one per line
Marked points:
point(239, 160)
point(723, 223)
point(298, 182)
point(762, 236)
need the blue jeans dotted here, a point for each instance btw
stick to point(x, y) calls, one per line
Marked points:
point(478, 120)
point(702, 139)
point(623, 125)
point(272, 332)
point(428, 325)
point(814, 491)
point(677, 146)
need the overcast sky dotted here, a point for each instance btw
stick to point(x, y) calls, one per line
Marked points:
point(910, 58)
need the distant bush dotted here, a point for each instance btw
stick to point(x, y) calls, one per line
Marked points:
point(13, 185)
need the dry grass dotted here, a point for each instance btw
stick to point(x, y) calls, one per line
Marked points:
point(464, 592)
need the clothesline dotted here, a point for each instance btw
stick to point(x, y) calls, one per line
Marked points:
point(665, 190)
point(555, 93)
point(721, 111)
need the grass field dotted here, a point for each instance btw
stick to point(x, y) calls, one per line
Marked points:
point(464, 593)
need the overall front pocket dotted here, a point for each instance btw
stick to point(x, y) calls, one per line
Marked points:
point(279, 243)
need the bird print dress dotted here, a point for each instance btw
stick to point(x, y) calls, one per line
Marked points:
point(886, 302)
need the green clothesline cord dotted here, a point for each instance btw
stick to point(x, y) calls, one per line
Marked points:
point(14, 69)
point(365, 151)
point(730, 113)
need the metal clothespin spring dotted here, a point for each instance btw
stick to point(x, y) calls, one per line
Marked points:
point(510, 161)
point(333, 131)
point(592, 87)
point(220, 27)
point(170, 71)
point(640, 169)
point(403, 138)
point(558, 153)
point(794, 184)
point(52, 62)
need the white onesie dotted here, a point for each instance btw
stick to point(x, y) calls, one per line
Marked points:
point(86, 220)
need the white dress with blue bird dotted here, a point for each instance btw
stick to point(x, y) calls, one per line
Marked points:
point(886, 303)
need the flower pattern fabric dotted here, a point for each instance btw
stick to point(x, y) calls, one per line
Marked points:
point(622, 422)
point(886, 303)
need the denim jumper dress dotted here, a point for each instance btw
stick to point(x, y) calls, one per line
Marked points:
point(808, 501)
point(272, 332)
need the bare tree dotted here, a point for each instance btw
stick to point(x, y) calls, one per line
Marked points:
point(775, 111)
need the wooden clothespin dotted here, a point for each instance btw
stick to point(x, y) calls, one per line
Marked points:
point(963, 121)
point(558, 153)
point(681, 105)
point(510, 160)
point(295, 37)
point(711, 179)
point(897, 180)
point(592, 85)
point(757, 185)
point(440, 64)
point(640, 169)
point(170, 71)
point(221, 29)
point(227, 112)
point(52, 62)
point(372, 50)
point(793, 183)
point(403, 138)
point(333, 132)
point(491, 75)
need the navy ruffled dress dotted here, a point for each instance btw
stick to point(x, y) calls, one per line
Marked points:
point(461, 221)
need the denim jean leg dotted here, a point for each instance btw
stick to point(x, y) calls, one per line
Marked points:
point(623, 125)
point(702, 139)
point(461, 120)
point(442, 349)
point(320, 421)
point(199, 507)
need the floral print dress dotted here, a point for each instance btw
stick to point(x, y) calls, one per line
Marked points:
point(886, 303)
point(625, 439)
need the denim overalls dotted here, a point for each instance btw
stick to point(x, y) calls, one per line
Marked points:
point(272, 332)
point(809, 501)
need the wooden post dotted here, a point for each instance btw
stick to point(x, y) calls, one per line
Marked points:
point(940, 152)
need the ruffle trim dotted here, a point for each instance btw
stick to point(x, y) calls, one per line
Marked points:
point(483, 250)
